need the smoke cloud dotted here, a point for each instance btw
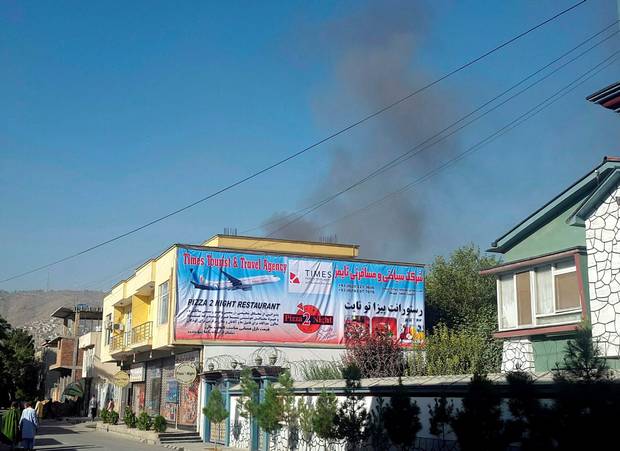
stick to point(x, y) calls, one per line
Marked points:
point(374, 63)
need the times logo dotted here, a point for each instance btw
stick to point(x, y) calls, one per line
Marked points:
point(310, 276)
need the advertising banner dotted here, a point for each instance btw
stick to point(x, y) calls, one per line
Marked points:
point(231, 296)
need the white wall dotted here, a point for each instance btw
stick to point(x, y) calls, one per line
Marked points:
point(221, 356)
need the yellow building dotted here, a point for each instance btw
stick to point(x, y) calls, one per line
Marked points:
point(139, 317)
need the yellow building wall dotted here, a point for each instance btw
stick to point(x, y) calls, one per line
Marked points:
point(140, 309)
point(286, 246)
point(164, 271)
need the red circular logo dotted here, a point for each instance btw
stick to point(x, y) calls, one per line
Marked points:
point(307, 312)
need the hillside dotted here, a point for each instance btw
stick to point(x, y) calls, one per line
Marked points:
point(31, 309)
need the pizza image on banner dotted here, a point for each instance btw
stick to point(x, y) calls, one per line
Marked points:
point(232, 296)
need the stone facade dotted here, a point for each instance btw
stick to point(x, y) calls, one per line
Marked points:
point(603, 244)
point(517, 355)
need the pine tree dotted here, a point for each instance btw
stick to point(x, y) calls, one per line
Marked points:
point(352, 418)
point(582, 359)
point(324, 417)
point(402, 421)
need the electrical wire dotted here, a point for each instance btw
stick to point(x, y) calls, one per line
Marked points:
point(432, 141)
point(300, 152)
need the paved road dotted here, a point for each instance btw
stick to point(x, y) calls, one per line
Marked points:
point(57, 436)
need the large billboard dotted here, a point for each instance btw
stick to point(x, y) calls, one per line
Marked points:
point(246, 297)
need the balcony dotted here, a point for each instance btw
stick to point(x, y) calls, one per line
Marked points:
point(139, 338)
point(117, 343)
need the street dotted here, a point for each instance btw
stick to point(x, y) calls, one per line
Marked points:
point(59, 436)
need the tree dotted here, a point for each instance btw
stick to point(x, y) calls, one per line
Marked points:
point(458, 297)
point(215, 410)
point(276, 409)
point(455, 290)
point(352, 417)
point(376, 427)
point(480, 419)
point(582, 359)
point(324, 417)
point(440, 416)
point(19, 369)
point(532, 422)
point(402, 420)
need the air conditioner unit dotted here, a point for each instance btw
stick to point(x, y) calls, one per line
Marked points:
point(107, 325)
point(117, 326)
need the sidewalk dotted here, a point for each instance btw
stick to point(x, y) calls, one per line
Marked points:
point(200, 447)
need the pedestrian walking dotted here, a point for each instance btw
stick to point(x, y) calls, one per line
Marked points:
point(92, 408)
point(10, 426)
point(38, 408)
point(28, 425)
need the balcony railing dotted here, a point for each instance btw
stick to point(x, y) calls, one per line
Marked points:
point(117, 343)
point(141, 334)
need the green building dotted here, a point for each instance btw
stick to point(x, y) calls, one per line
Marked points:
point(561, 266)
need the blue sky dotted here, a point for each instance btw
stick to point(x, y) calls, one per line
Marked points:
point(115, 113)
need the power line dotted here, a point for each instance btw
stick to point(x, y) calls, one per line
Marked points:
point(432, 141)
point(300, 152)
point(510, 126)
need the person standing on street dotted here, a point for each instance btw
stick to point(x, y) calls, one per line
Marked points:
point(111, 405)
point(10, 426)
point(92, 408)
point(28, 425)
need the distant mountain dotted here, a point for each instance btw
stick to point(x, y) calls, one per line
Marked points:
point(32, 309)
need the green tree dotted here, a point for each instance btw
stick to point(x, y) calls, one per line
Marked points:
point(351, 418)
point(215, 410)
point(276, 409)
point(402, 420)
point(20, 369)
point(582, 359)
point(440, 416)
point(376, 427)
point(458, 297)
point(480, 418)
point(324, 417)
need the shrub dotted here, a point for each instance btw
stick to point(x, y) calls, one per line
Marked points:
point(130, 418)
point(313, 370)
point(159, 424)
point(144, 422)
point(376, 354)
point(105, 415)
point(113, 419)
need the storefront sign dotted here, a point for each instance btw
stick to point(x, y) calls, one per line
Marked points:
point(121, 379)
point(137, 372)
point(185, 373)
point(231, 296)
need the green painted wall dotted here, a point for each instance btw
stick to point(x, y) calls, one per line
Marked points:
point(547, 352)
point(554, 236)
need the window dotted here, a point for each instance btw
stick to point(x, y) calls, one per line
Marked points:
point(524, 298)
point(543, 295)
point(163, 303)
point(108, 328)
